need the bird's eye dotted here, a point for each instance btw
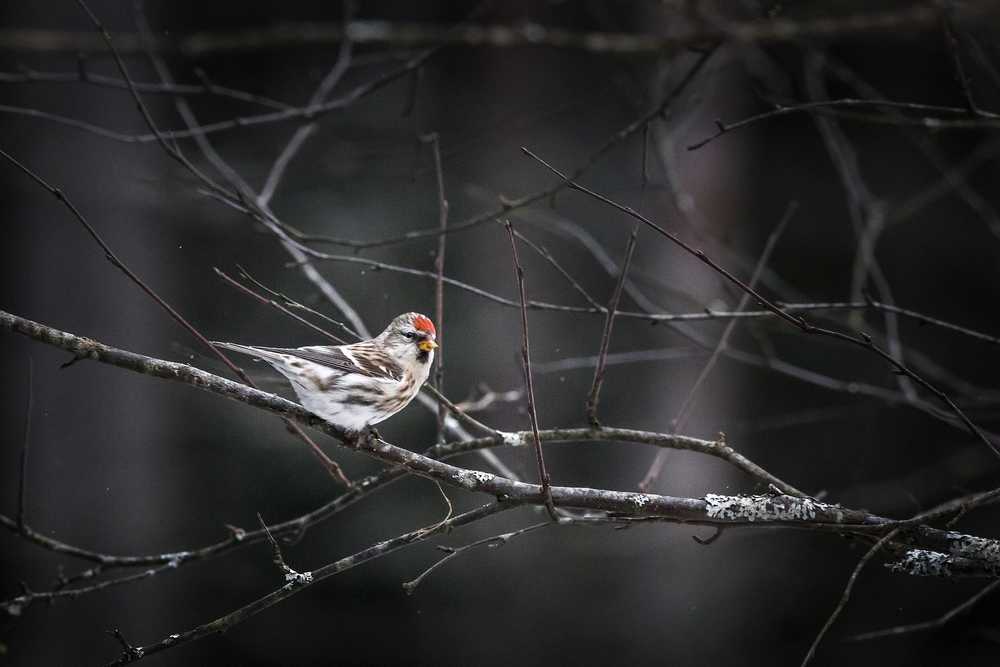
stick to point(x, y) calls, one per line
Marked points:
point(409, 334)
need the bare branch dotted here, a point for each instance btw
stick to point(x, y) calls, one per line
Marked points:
point(292, 303)
point(951, 39)
point(439, 280)
point(494, 541)
point(22, 488)
point(292, 587)
point(706, 314)
point(543, 475)
point(292, 577)
point(330, 464)
point(938, 622)
point(17, 605)
point(846, 595)
point(81, 75)
point(851, 103)
point(277, 306)
point(547, 256)
point(680, 420)
point(862, 340)
point(303, 133)
point(612, 309)
point(866, 213)
point(625, 502)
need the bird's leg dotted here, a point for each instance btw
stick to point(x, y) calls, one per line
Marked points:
point(373, 433)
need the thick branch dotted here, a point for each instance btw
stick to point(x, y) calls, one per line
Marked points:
point(711, 510)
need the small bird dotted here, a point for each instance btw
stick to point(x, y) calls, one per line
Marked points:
point(359, 385)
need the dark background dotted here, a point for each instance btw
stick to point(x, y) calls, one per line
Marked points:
point(126, 464)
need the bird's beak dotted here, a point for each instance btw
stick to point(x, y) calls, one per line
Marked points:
point(427, 345)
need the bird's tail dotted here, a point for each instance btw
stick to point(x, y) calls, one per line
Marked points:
point(248, 349)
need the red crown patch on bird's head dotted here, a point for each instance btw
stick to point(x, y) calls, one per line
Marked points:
point(423, 323)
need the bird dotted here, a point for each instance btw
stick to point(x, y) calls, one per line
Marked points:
point(359, 385)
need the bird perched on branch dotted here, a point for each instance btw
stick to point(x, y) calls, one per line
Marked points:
point(357, 386)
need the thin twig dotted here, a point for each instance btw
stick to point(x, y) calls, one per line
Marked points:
point(129, 652)
point(543, 474)
point(298, 525)
point(866, 212)
point(461, 415)
point(487, 398)
point(544, 253)
point(951, 38)
point(609, 321)
point(309, 112)
point(160, 137)
point(291, 575)
point(22, 490)
point(116, 261)
point(506, 204)
point(434, 141)
point(319, 96)
point(846, 103)
point(494, 541)
point(16, 605)
point(439, 525)
point(954, 176)
point(331, 465)
point(284, 115)
point(240, 186)
point(292, 303)
point(938, 622)
point(291, 588)
point(703, 315)
point(809, 376)
point(680, 420)
point(277, 306)
point(247, 201)
point(927, 319)
point(183, 89)
point(846, 595)
point(861, 340)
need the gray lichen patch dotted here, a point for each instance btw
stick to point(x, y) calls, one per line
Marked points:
point(923, 563)
point(472, 479)
point(642, 499)
point(978, 548)
point(482, 477)
point(764, 508)
point(512, 439)
point(293, 578)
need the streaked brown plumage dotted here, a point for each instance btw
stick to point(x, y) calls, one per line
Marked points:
point(357, 386)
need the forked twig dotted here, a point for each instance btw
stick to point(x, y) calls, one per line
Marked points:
point(494, 541)
point(292, 576)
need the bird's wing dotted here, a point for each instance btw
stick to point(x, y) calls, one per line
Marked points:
point(363, 358)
